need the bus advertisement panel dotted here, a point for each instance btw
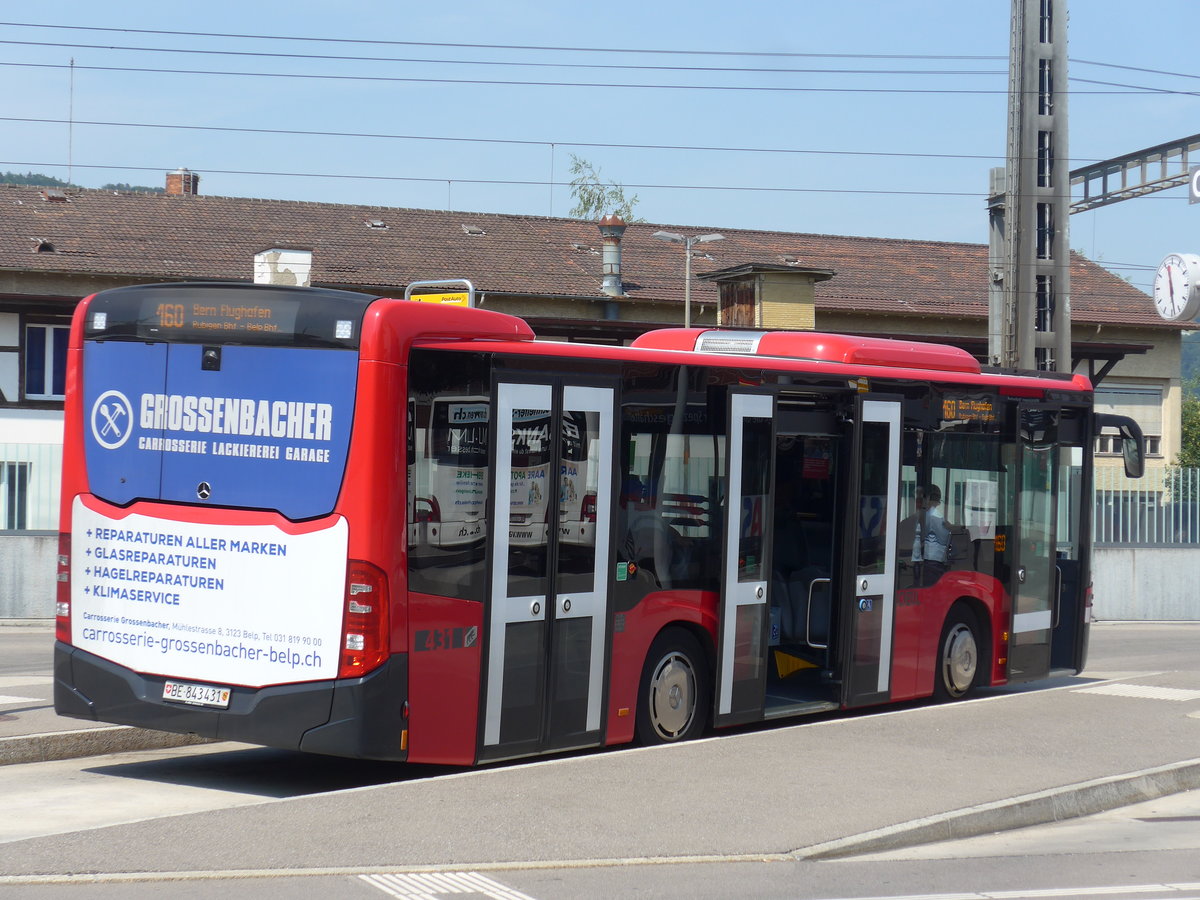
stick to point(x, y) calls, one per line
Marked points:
point(163, 595)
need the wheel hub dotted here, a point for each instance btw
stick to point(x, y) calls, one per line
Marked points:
point(673, 696)
point(961, 660)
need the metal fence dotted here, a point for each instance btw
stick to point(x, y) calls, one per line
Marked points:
point(1161, 509)
point(30, 475)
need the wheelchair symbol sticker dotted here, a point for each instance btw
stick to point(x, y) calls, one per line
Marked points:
point(112, 420)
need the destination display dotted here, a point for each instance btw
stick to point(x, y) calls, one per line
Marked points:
point(222, 319)
point(228, 313)
point(222, 604)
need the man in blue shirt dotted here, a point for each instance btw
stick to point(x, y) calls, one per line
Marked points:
point(931, 548)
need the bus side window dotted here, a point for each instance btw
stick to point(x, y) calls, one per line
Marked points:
point(668, 516)
point(448, 474)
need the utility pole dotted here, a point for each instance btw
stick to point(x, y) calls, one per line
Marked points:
point(1029, 200)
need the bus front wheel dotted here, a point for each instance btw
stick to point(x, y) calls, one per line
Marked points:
point(958, 655)
point(674, 696)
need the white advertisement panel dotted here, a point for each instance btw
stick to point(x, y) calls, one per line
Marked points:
point(227, 604)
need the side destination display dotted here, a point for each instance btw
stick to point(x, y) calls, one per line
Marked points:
point(250, 426)
point(191, 599)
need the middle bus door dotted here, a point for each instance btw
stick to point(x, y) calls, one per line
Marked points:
point(745, 580)
point(550, 536)
point(1035, 579)
point(870, 564)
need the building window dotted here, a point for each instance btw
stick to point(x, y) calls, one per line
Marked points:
point(46, 361)
point(1140, 402)
point(1110, 445)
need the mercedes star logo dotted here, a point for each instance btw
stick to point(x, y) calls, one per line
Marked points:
point(204, 490)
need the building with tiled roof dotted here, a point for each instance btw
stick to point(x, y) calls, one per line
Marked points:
point(58, 245)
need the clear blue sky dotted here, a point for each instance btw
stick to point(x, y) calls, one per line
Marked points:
point(853, 178)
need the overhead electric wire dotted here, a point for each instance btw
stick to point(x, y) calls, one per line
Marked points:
point(486, 140)
point(523, 47)
point(1092, 62)
point(476, 82)
point(514, 63)
point(517, 182)
point(524, 142)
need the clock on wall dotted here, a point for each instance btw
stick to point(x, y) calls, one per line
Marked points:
point(1177, 287)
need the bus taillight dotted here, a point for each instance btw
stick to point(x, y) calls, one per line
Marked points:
point(426, 509)
point(589, 508)
point(62, 606)
point(365, 623)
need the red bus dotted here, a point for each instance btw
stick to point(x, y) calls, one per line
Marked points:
point(703, 529)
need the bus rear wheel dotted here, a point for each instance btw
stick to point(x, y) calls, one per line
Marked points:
point(674, 695)
point(958, 655)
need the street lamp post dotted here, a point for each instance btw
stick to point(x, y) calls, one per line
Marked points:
point(688, 243)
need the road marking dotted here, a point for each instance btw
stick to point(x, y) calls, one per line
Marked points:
point(1141, 692)
point(12, 681)
point(7, 700)
point(1102, 891)
point(435, 884)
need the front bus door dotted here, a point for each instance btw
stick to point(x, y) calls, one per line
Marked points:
point(870, 563)
point(550, 539)
point(745, 580)
point(1034, 577)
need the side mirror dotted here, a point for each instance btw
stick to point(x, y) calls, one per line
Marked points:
point(1132, 444)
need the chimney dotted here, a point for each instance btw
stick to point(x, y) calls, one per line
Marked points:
point(612, 227)
point(181, 182)
point(280, 266)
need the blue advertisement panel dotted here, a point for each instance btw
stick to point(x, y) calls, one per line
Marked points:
point(257, 427)
point(116, 374)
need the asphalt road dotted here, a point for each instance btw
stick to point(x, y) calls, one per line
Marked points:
point(734, 809)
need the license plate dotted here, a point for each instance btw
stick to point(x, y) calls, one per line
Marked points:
point(196, 694)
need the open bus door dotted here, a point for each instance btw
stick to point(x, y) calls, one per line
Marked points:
point(868, 591)
point(746, 564)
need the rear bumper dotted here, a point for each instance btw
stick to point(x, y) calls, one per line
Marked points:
point(360, 717)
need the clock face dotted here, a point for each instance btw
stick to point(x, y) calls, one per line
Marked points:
point(1177, 287)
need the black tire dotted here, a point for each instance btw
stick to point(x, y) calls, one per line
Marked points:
point(958, 669)
point(675, 690)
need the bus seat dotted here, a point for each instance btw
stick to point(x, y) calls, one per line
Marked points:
point(654, 545)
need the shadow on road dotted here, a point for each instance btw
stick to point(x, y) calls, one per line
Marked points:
point(270, 773)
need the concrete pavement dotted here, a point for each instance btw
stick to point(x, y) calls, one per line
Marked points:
point(1128, 731)
point(30, 730)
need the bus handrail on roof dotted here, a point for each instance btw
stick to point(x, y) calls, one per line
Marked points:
point(408, 291)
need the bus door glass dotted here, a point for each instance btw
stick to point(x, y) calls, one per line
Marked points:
point(870, 539)
point(551, 514)
point(745, 579)
point(1074, 526)
point(1034, 576)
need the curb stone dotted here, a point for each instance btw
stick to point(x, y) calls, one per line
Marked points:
point(1040, 808)
point(88, 742)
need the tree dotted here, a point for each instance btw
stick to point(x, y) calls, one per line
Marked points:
point(33, 178)
point(595, 198)
point(1189, 431)
point(1181, 484)
point(122, 186)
